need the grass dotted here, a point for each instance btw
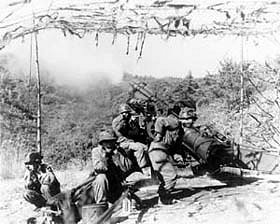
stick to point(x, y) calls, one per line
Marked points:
point(11, 163)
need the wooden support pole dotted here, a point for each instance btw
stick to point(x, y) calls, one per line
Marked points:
point(39, 144)
point(241, 90)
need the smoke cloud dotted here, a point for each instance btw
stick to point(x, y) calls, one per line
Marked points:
point(68, 60)
point(79, 62)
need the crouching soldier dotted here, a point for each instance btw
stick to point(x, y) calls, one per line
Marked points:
point(40, 181)
point(107, 185)
point(104, 186)
point(128, 133)
point(168, 137)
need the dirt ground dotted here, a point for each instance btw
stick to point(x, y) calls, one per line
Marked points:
point(201, 200)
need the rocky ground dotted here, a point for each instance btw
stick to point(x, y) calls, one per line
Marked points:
point(202, 199)
point(15, 210)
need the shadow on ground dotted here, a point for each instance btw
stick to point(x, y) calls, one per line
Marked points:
point(180, 193)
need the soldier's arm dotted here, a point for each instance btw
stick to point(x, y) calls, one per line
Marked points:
point(99, 162)
point(49, 178)
point(27, 179)
point(118, 125)
point(30, 180)
point(159, 129)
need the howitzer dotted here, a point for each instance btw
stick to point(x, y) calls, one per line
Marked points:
point(208, 146)
point(146, 109)
point(149, 107)
point(207, 150)
point(141, 88)
point(144, 91)
point(250, 155)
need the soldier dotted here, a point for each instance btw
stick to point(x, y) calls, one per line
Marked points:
point(50, 186)
point(103, 186)
point(107, 185)
point(40, 181)
point(128, 133)
point(188, 116)
point(215, 149)
point(168, 137)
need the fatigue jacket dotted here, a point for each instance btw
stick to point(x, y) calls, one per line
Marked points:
point(125, 130)
point(32, 180)
point(99, 160)
point(106, 164)
point(170, 130)
point(50, 184)
point(116, 164)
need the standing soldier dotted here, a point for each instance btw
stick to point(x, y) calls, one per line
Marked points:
point(168, 132)
point(40, 182)
point(128, 134)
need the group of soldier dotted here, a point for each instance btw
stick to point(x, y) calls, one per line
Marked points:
point(120, 152)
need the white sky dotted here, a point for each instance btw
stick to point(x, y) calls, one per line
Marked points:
point(79, 61)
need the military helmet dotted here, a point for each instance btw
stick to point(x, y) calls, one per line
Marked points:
point(124, 108)
point(188, 113)
point(106, 136)
point(187, 103)
point(33, 157)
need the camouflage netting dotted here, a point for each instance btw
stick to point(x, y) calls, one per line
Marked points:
point(170, 17)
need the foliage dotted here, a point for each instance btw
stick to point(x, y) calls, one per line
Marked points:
point(72, 118)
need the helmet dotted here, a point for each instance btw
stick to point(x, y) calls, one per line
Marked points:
point(33, 157)
point(187, 103)
point(188, 113)
point(124, 108)
point(107, 136)
point(176, 109)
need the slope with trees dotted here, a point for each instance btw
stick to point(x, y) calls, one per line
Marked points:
point(72, 118)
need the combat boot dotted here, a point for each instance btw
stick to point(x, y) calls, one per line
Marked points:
point(165, 198)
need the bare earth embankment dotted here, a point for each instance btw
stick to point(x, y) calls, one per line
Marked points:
point(202, 200)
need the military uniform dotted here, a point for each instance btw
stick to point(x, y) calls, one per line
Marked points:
point(128, 133)
point(109, 169)
point(32, 192)
point(168, 136)
point(107, 185)
point(39, 186)
point(50, 186)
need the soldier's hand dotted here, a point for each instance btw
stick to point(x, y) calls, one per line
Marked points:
point(49, 169)
point(158, 137)
point(28, 167)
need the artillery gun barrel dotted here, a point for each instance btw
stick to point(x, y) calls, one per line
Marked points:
point(209, 151)
point(192, 153)
point(142, 90)
point(145, 92)
point(198, 146)
point(259, 150)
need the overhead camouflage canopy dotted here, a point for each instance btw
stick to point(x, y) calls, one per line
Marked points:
point(167, 17)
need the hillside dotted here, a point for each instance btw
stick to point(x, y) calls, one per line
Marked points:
point(72, 119)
